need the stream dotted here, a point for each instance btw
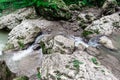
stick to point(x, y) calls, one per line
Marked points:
point(26, 61)
point(3, 39)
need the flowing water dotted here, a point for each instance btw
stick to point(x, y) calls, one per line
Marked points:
point(26, 61)
point(3, 39)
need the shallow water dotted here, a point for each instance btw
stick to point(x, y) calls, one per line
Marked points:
point(3, 38)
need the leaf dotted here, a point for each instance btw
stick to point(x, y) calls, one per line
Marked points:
point(39, 76)
point(76, 63)
point(94, 60)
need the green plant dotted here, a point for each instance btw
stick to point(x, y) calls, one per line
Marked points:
point(21, 44)
point(5, 4)
point(76, 63)
point(58, 75)
point(44, 49)
point(85, 33)
point(38, 73)
point(94, 60)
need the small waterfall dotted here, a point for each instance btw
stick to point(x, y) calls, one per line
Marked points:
point(19, 55)
point(3, 40)
point(94, 41)
point(0, 53)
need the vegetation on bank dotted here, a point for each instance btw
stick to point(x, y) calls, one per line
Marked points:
point(5, 4)
point(51, 9)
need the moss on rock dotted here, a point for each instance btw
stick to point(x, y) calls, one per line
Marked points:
point(55, 9)
point(5, 73)
point(21, 78)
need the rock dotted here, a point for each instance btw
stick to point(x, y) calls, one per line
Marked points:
point(109, 7)
point(36, 47)
point(12, 20)
point(104, 25)
point(31, 29)
point(21, 78)
point(57, 10)
point(74, 7)
point(105, 41)
point(5, 73)
point(56, 43)
point(22, 35)
point(93, 51)
point(81, 47)
point(62, 66)
point(63, 44)
point(85, 18)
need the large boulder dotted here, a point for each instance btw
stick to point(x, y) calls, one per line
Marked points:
point(56, 43)
point(78, 66)
point(27, 32)
point(105, 41)
point(84, 19)
point(109, 7)
point(12, 20)
point(63, 44)
point(105, 25)
point(55, 9)
point(22, 35)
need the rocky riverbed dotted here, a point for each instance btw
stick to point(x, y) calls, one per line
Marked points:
point(85, 47)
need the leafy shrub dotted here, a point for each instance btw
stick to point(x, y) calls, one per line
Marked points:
point(5, 4)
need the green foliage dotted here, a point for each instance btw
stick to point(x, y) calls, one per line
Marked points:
point(86, 33)
point(21, 78)
point(94, 60)
point(44, 49)
point(85, 2)
point(76, 63)
point(39, 74)
point(21, 44)
point(5, 4)
point(58, 75)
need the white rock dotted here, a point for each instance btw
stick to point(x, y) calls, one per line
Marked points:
point(25, 33)
point(12, 20)
point(63, 44)
point(63, 40)
point(106, 42)
point(105, 24)
point(63, 64)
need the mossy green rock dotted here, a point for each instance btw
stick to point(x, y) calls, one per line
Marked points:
point(54, 10)
point(21, 78)
point(109, 7)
